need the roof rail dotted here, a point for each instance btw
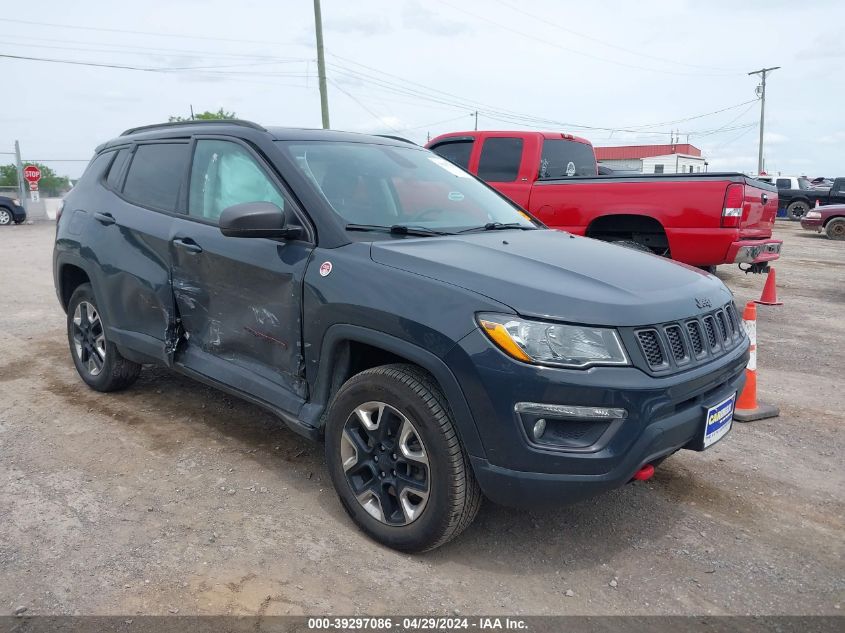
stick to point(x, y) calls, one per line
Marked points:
point(396, 138)
point(156, 126)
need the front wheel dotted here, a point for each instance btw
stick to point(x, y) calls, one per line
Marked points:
point(797, 209)
point(5, 216)
point(396, 461)
point(835, 229)
point(97, 360)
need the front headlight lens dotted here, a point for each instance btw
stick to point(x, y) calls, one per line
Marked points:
point(813, 215)
point(576, 346)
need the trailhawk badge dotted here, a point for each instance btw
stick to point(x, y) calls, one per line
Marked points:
point(325, 269)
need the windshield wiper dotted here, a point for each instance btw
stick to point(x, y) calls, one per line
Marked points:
point(498, 226)
point(397, 229)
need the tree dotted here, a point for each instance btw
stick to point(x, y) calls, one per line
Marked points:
point(206, 116)
point(50, 185)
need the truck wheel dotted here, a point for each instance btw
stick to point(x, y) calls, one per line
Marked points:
point(835, 229)
point(797, 209)
point(97, 360)
point(633, 246)
point(396, 461)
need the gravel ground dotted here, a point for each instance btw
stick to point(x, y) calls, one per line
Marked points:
point(172, 497)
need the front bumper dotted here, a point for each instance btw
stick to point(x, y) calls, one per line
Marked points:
point(812, 224)
point(754, 251)
point(665, 414)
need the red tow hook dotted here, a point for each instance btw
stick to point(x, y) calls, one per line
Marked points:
point(645, 473)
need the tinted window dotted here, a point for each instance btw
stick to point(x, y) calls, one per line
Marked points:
point(455, 151)
point(658, 169)
point(500, 158)
point(784, 183)
point(97, 166)
point(224, 174)
point(116, 169)
point(564, 159)
point(155, 174)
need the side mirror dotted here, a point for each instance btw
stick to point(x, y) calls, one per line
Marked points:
point(256, 219)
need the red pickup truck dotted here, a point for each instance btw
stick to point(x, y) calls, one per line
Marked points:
point(702, 219)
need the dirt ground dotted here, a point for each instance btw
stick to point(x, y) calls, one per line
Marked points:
point(172, 497)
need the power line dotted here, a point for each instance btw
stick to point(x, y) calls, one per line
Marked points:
point(378, 117)
point(147, 33)
point(117, 66)
point(534, 38)
point(546, 21)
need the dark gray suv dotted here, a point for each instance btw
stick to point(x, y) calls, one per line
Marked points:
point(441, 341)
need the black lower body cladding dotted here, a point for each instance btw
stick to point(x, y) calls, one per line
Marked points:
point(582, 456)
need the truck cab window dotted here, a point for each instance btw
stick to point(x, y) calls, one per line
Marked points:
point(564, 159)
point(500, 159)
point(455, 151)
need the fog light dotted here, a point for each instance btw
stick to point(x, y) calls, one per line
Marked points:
point(539, 428)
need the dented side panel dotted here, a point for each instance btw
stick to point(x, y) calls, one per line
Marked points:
point(240, 301)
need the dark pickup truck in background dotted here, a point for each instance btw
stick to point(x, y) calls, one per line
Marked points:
point(798, 201)
point(699, 219)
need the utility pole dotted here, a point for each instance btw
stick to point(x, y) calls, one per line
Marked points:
point(19, 166)
point(762, 72)
point(475, 114)
point(321, 65)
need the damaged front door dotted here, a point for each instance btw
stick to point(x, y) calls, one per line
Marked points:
point(239, 299)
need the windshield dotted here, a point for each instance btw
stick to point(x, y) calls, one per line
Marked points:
point(385, 185)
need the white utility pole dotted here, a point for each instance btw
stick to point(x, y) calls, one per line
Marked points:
point(762, 72)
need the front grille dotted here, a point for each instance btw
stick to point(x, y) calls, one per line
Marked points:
point(694, 341)
point(694, 330)
point(676, 343)
point(650, 344)
point(710, 329)
point(721, 321)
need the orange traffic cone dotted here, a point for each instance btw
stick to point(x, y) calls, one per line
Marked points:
point(770, 292)
point(747, 407)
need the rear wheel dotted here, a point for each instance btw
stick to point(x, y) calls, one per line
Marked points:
point(797, 209)
point(5, 216)
point(97, 360)
point(835, 229)
point(396, 461)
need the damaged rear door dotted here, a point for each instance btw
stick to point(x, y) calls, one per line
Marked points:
point(239, 299)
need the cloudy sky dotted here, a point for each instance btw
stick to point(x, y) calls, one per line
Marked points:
point(614, 72)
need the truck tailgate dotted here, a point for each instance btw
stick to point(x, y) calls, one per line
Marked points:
point(760, 207)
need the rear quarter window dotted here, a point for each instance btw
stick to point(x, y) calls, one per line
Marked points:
point(113, 179)
point(97, 167)
point(565, 159)
point(155, 175)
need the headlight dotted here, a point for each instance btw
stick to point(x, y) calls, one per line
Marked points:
point(576, 346)
point(813, 215)
point(17, 201)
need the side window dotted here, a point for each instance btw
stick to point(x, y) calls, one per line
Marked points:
point(784, 183)
point(116, 169)
point(500, 159)
point(96, 167)
point(658, 169)
point(224, 174)
point(455, 151)
point(155, 175)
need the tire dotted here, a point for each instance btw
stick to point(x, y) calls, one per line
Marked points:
point(636, 246)
point(6, 217)
point(835, 229)
point(381, 496)
point(797, 209)
point(96, 359)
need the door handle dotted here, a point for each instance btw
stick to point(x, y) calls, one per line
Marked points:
point(188, 244)
point(104, 218)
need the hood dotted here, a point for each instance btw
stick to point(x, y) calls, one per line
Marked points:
point(555, 275)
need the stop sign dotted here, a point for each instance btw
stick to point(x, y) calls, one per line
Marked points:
point(31, 173)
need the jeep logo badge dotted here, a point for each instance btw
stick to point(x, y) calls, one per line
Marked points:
point(702, 302)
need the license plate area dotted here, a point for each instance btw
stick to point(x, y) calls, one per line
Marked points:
point(718, 421)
